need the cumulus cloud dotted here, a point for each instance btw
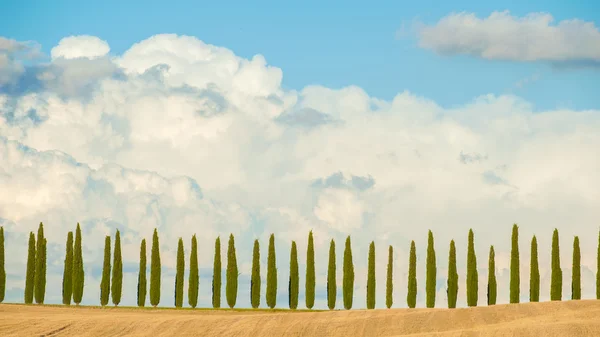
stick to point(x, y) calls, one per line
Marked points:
point(187, 137)
point(81, 46)
point(502, 36)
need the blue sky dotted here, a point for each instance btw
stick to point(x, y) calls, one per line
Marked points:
point(332, 43)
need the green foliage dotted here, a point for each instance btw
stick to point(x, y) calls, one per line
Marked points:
point(194, 278)
point(310, 272)
point(42, 284)
point(78, 273)
point(492, 289)
point(411, 296)
point(431, 272)
point(30, 276)
point(2, 269)
point(155, 270)
point(389, 283)
point(556, 274)
point(331, 279)
point(141, 288)
point(117, 272)
point(515, 277)
point(534, 273)
point(232, 274)
point(40, 266)
point(294, 283)
point(255, 279)
point(216, 281)
point(452, 290)
point(472, 274)
point(105, 281)
point(271, 294)
point(348, 277)
point(179, 276)
point(371, 277)
point(67, 286)
point(576, 276)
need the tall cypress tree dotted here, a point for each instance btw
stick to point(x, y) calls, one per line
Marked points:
point(2, 270)
point(117, 272)
point(232, 274)
point(30, 276)
point(472, 274)
point(78, 273)
point(271, 294)
point(155, 271)
point(216, 281)
point(598, 269)
point(452, 277)
point(389, 283)
point(534, 273)
point(576, 276)
point(515, 277)
point(67, 286)
point(194, 278)
point(141, 289)
point(255, 279)
point(179, 275)
point(294, 278)
point(43, 278)
point(348, 277)
point(331, 280)
point(411, 296)
point(431, 272)
point(556, 274)
point(310, 272)
point(40, 265)
point(492, 285)
point(105, 281)
point(371, 277)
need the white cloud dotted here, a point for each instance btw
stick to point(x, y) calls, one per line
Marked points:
point(505, 37)
point(80, 46)
point(189, 138)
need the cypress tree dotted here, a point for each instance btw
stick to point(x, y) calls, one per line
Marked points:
point(472, 275)
point(492, 285)
point(105, 282)
point(271, 294)
point(2, 269)
point(78, 273)
point(194, 278)
point(452, 277)
point(255, 279)
point(576, 277)
point(310, 272)
point(294, 278)
point(331, 282)
point(389, 283)
point(117, 272)
point(40, 265)
point(67, 286)
point(141, 288)
point(534, 273)
point(232, 274)
point(431, 272)
point(411, 296)
point(43, 277)
point(556, 274)
point(515, 277)
point(179, 275)
point(598, 269)
point(155, 271)
point(216, 281)
point(348, 277)
point(30, 276)
point(371, 277)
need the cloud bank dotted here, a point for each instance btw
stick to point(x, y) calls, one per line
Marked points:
point(502, 36)
point(191, 138)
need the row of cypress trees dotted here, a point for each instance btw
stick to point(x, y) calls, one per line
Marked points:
point(73, 275)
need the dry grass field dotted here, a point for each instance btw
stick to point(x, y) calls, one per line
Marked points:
point(561, 319)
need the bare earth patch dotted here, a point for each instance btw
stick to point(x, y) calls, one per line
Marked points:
point(561, 319)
